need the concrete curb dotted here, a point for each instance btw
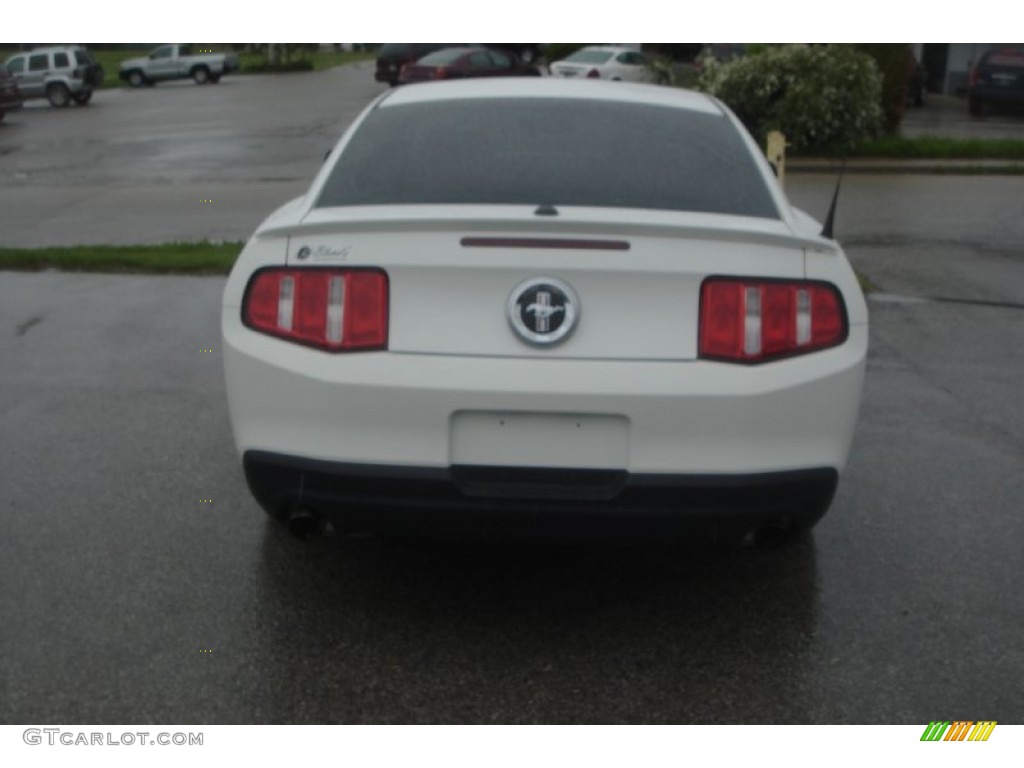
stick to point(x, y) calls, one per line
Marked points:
point(884, 165)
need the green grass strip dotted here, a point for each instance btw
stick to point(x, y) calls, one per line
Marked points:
point(320, 60)
point(935, 148)
point(202, 258)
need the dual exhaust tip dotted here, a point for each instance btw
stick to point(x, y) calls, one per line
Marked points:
point(306, 524)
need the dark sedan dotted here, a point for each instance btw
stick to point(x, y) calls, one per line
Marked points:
point(10, 96)
point(998, 78)
point(456, 63)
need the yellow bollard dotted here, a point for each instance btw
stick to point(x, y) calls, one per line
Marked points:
point(775, 150)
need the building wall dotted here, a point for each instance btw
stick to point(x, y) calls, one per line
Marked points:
point(962, 56)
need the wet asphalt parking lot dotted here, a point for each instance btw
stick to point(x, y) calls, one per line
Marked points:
point(139, 582)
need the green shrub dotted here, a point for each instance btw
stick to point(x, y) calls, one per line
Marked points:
point(821, 97)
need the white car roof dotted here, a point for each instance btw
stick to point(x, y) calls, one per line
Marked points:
point(55, 49)
point(611, 49)
point(551, 88)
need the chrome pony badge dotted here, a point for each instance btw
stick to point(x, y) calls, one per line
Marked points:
point(543, 310)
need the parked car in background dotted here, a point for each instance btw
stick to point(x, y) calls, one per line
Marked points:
point(527, 53)
point(533, 304)
point(393, 56)
point(607, 63)
point(177, 62)
point(997, 79)
point(10, 96)
point(60, 74)
point(458, 63)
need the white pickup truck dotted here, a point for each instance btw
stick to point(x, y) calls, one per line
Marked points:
point(175, 62)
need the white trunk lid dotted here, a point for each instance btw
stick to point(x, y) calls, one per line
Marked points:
point(637, 279)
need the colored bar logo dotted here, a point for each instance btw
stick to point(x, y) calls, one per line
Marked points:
point(959, 730)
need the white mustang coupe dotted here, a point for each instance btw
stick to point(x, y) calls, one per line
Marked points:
point(525, 304)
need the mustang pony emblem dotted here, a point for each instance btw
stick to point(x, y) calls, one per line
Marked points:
point(543, 310)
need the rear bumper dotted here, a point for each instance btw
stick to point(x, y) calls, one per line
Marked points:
point(94, 76)
point(442, 500)
point(997, 94)
point(693, 418)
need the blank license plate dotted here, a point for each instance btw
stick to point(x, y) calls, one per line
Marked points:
point(517, 439)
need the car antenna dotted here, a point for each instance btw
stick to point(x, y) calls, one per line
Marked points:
point(826, 231)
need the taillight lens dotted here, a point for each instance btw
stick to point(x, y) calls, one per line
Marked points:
point(440, 73)
point(593, 73)
point(753, 321)
point(972, 78)
point(338, 310)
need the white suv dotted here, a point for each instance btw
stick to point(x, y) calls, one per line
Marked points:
point(61, 75)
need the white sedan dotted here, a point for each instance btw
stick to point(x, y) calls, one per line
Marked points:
point(606, 63)
point(536, 302)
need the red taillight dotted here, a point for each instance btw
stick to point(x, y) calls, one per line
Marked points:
point(440, 73)
point(334, 309)
point(752, 321)
point(972, 78)
point(593, 73)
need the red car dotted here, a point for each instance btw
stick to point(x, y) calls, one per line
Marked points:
point(453, 63)
point(10, 96)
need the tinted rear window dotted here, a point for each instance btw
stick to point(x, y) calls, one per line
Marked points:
point(549, 151)
point(590, 57)
point(441, 58)
point(82, 58)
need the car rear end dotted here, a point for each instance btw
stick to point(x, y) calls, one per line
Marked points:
point(439, 65)
point(88, 73)
point(586, 63)
point(998, 78)
point(389, 350)
point(231, 63)
point(392, 57)
point(10, 96)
